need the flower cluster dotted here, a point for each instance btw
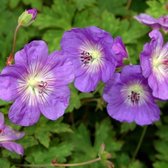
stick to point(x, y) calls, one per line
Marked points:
point(37, 82)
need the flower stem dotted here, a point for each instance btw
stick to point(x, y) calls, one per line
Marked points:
point(128, 4)
point(139, 143)
point(10, 58)
point(62, 164)
point(14, 38)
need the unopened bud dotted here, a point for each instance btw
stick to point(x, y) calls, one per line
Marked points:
point(27, 17)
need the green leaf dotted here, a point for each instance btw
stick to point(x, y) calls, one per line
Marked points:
point(81, 140)
point(87, 17)
point(43, 137)
point(53, 38)
point(125, 127)
point(157, 8)
point(83, 148)
point(161, 145)
point(58, 16)
point(57, 152)
point(108, 22)
point(134, 32)
point(4, 163)
point(114, 6)
point(136, 164)
point(59, 127)
point(74, 102)
point(82, 4)
point(105, 134)
point(35, 4)
point(13, 3)
point(160, 164)
point(28, 141)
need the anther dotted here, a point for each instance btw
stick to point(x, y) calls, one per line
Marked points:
point(134, 97)
point(86, 57)
point(42, 86)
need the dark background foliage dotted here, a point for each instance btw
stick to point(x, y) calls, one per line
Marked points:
point(86, 125)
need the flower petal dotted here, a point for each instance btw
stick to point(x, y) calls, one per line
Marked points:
point(120, 111)
point(8, 86)
point(147, 114)
point(56, 104)
point(145, 60)
point(13, 147)
point(119, 51)
point(87, 82)
point(148, 20)
point(36, 51)
point(163, 21)
point(159, 88)
point(131, 72)
point(156, 39)
point(9, 134)
point(107, 71)
point(109, 85)
point(22, 114)
point(8, 81)
point(62, 68)
point(71, 40)
point(150, 50)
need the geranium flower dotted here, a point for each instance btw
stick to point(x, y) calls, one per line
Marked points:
point(155, 23)
point(90, 50)
point(7, 136)
point(130, 98)
point(154, 63)
point(37, 83)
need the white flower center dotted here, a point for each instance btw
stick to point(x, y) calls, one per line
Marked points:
point(91, 56)
point(159, 64)
point(134, 94)
point(35, 87)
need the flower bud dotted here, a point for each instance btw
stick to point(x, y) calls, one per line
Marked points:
point(27, 17)
point(119, 51)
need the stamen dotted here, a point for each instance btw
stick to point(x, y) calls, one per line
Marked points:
point(86, 57)
point(42, 87)
point(1, 131)
point(134, 97)
point(165, 62)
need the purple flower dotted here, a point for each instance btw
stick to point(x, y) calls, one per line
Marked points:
point(161, 22)
point(119, 51)
point(154, 63)
point(7, 136)
point(37, 83)
point(90, 50)
point(130, 98)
